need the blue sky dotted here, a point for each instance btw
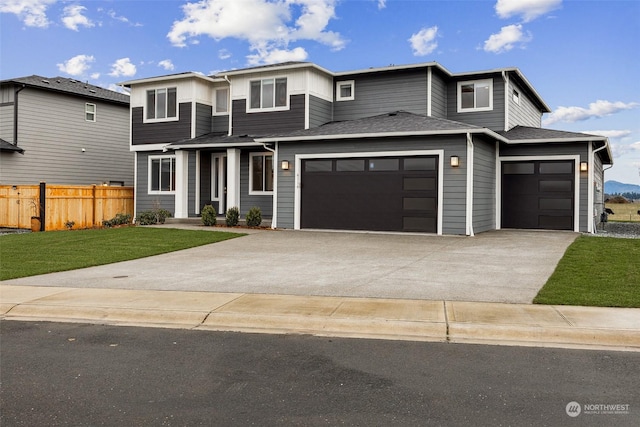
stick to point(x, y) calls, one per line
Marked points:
point(582, 57)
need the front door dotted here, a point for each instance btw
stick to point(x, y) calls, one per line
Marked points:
point(219, 182)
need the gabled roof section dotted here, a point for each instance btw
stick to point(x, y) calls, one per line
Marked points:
point(399, 123)
point(70, 86)
point(9, 147)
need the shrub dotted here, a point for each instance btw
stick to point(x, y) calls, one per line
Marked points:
point(209, 215)
point(154, 216)
point(232, 217)
point(254, 217)
point(119, 219)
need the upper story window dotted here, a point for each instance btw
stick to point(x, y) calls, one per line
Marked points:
point(268, 94)
point(162, 174)
point(475, 96)
point(222, 101)
point(90, 112)
point(162, 104)
point(345, 91)
point(261, 173)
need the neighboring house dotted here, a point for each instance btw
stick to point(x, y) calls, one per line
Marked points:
point(400, 148)
point(63, 131)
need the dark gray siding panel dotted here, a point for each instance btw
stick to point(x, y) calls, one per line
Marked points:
point(523, 113)
point(220, 124)
point(553, 149)
point(454, 203)
point(144, 200)
point(162, 132)
point(320, 111)
point(438, 95)
point(191, 195)
point(484, 186)
point(247, 201)
point(268, 122)
point(382, 93)
point(493, 120)
point(205, 178)
point(203, 119)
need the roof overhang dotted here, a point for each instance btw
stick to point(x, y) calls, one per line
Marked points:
point(168, 77)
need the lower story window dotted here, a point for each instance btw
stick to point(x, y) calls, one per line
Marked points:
point(162, 174)
point(261, 172)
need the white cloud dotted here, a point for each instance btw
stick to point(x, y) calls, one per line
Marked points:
point(166, 64)
point(527, 9)
point(123, 67)
point(270, 55)
point(506, 39)
point(265, 24)
point(596, 109)
point(423, 42)
point(636, 146)
point(224, 54)
point(114, 15)
point(95, 76)
point(382, 4)
point(32, 12)
point(73, 17)
point(77, 66)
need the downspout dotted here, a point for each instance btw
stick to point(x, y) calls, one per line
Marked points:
point(469, 215)
point(230, 107)
point(274, 202)
point(15, 115)
point(592, 156)
point(505, 77)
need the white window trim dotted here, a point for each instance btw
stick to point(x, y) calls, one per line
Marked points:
point(149, 190)
point(274, 108)
point(166, 119)
point(474, 109)
point(215, 102)
point(94, 112)
point(353, 90)
point(261, 154)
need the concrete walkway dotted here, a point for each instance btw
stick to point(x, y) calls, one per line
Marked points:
point(397, 319)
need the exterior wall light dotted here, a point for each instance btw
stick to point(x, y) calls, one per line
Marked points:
point(285, 165)
point(455, 161)
point(584, 166)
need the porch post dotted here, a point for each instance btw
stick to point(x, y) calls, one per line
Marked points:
point(233, 178)
point(182, 184)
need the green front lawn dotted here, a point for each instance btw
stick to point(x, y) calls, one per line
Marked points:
point(596, 271)
point(23, 255)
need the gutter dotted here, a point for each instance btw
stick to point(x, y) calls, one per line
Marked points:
point(15, 115)
point(274, 214)
point(230, 106)
point(469, 215)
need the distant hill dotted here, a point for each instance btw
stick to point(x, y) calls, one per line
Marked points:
point(615, 187)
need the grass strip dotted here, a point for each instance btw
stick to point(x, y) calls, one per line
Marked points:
point(596, 271)
point(29, 254)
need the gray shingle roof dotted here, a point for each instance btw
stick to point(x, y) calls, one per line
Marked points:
point(521, 133)
point(213, 138)
point(7, 146)
point(71, 86)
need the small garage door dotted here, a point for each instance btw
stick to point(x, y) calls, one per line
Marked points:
point(377, 193)
point(538, 194)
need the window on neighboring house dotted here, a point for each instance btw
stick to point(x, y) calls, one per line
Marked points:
point(162, 104)
point(261, 173)
point(268, 94)
point(516, 97)
point(345, 91)
point(475, 96)
point(90, 112)
point(222, 101)
point(162, 174)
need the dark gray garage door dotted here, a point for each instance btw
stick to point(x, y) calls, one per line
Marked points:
point(538, 194)
point(377, 193)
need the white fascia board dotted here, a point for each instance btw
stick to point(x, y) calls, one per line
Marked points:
point(382, 135)
point(271, 69)
point(216, 145)
point(394, 68)
point(169, 77)
point(543, 140)
point(148, 147)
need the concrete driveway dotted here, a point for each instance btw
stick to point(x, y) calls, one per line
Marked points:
point(498, 266)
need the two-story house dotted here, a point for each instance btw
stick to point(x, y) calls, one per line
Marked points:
point(63, 131)
point(411, 148)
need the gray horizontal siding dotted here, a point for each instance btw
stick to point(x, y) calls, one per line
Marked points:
point(438, 95)
point(265, 123)
point(553, 149)
point(493, 119)
point(203, 119)
point(382, 93)
point(160, 132)
point(484, 186)
point(247, 201)
point(524, 113)
point(320, 111)
point(53, 132)
point(144, 200)
point(454, 203)
point(220, 124)
point(6, 122)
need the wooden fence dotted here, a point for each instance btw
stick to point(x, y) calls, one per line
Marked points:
point(86, 205)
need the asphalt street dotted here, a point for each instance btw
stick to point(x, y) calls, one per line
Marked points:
point(75, 374)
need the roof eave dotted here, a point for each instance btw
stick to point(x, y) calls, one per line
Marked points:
point(382, 135)
point(189, 75)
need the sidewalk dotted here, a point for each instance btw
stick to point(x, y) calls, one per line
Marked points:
point(378, 318)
